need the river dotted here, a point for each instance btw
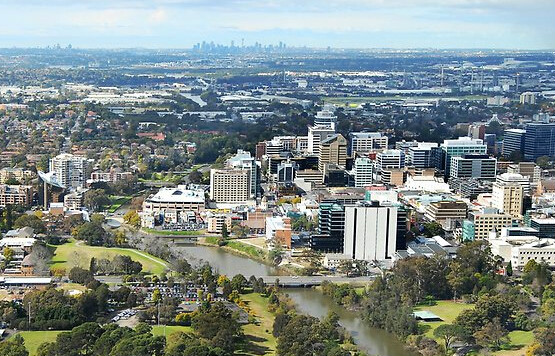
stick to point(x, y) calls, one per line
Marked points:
point(309, 301)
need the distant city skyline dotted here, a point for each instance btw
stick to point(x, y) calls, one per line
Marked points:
point(495, 24)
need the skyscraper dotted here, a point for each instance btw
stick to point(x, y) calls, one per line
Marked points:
point(473, 166)
point(317, 134)
point(508, 198)
point(363, 142)
point(373, 232)
point(513, 141)
point(458, 148)
point(333, 150)
point(539, 141)
point(423, 155)
point(244, 160)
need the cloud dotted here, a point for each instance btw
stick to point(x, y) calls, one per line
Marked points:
point(359, 23)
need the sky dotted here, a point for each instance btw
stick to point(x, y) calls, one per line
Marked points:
point(495, 24)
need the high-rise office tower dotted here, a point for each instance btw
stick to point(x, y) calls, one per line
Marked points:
point(333, 150)
point(458, 148)
point(364, 172)
point(539, 141)
point(513, 141)
point(373, 232)
point(423, 155)
point(473, 166)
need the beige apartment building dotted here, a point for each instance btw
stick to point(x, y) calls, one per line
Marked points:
point(484, 224)
point(508, 198)
point(333, 150)
point(230, 185)
point(18, 174)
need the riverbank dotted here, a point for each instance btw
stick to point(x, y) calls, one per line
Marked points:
point(236, 247)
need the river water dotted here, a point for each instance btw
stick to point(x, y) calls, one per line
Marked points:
point(309, 301)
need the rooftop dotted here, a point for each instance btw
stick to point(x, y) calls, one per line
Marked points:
point(177, 195)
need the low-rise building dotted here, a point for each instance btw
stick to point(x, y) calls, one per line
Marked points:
point(172, 204)
point(333, 261)
point(278, 231)
point(481, 224)
point(18, 174)
point(522, 247)
point(111, 176)
point(216, 223)
point(74, 201)
point(446, 212)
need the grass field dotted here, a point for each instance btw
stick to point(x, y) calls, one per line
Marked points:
point(173, 233)
point(117, 202)
point(260, 340)
point(170, 329)
point(33, 339)
point(447, 310)
point(72, 254)
point(519, 341)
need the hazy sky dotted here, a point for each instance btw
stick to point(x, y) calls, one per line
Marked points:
point(522, 24)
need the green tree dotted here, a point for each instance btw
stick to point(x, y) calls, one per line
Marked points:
point(96, 199)
point(15, 346)
point(492, 335)
point(31, 221)
point(449, 333)
point(543, 162)
point(238, 282)
point(432, 229)
point(119, 238)
point(225, 233)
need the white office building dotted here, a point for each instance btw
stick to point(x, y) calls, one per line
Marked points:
point(370, 231)
point(364, 142)
point(326, 117)
point(316, 135)
point(422, 156)
point(363, 171)
point(390, 159)
point(460, 147)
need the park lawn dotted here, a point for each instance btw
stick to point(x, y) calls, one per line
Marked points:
point(519, 341)
point(71, 254)
point(170, 329)
point(260, 340)
point(173, 233)
point(66, 287)
point(117, 202)
point(33, 339)
point(447, 310)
